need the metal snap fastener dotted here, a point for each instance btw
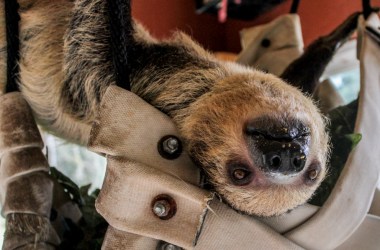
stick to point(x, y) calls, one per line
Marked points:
point(170, 147)
point(162, 245)
point(164, 207)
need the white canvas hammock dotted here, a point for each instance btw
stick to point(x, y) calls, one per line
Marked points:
point(137, 174)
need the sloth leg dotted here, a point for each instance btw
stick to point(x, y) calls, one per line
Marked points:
point(317, 55)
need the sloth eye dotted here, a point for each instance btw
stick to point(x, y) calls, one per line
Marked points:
point(241, 177)
point(313, 174)
point(240, 174)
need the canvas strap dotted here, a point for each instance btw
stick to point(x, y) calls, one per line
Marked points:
point(24, 184)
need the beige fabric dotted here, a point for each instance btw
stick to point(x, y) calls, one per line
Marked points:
point(328, 97)
point(130, 186)
point(18, 128)
point(286, 222)
point(24, 184)
point(127, 126)
point(375, 206)
point(224, 228)
point(129, 189)
point(367, 236)
point(286, 44)
point(31, 194)
point(350, 200)
point(116, 240)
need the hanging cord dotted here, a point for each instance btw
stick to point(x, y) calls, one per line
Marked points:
point(120, 22)
point(368, 9)
point(12, 19)
point(294, 7)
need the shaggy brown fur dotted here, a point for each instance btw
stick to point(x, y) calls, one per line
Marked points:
point(65, 69)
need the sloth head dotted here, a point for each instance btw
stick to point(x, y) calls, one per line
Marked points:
point(261, 142)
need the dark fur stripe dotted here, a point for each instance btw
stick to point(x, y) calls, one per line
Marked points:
point(13, 44)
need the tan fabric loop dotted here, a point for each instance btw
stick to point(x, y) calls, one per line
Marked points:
point(31, 194)
point(20, 162)
point(18, 128)
point(127, 126)
point(24, 184)
point(283, 38)
point(116, 239)
point(131, 188)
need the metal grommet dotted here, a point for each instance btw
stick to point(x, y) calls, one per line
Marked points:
point(162, 245)
point(170, 147)
point(164, 206)
point(265, 43)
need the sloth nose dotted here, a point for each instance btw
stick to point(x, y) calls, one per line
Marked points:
point(285, 158)
point(280, 148)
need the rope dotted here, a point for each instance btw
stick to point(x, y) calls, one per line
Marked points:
point(13, 44)
point(119, 14)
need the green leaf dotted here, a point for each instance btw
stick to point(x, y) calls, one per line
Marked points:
point(355, 138)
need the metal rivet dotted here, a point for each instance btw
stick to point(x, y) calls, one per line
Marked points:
point(164, 206)
point(171, 247)
point(161, 208)
point(170, 147)
point(162, 245)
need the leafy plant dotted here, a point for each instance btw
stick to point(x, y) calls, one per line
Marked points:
point(343, 140)
point(89, 232)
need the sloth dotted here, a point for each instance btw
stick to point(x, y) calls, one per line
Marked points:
point(261, 142)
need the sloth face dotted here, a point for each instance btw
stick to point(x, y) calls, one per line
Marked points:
point(261, 142)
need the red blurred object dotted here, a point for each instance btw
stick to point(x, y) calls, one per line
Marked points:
point(222, 13)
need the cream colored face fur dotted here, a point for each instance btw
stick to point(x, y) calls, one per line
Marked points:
point(219, 117)
point(65, 71)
